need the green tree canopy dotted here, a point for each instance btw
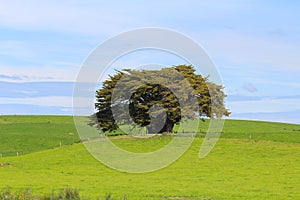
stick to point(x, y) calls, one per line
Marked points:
point(157, 99)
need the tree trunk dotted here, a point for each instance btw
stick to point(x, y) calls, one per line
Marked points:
point(167, 128)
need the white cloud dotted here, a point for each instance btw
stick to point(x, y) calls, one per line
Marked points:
point(110, 17)
point(267, 105)
point(16, 49)
point(293, 84)
point(70, 64)
point(60, 101)
point(66, 16)
point(249, 87)
point(57, 101)
point(259, 51)
point(36, 73)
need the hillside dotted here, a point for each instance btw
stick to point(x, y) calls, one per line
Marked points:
point(265, 166)
point(235, 169)
point(27, 134)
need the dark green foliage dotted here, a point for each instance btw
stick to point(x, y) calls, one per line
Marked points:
point(170, 94)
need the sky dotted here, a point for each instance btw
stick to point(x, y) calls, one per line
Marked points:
point(255, 46)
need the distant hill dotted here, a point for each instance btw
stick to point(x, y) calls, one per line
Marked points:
point(27, 134)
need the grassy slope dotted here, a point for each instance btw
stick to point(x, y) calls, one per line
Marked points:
point(257, 130)
point(26, 134)
point(235, 169)
point(240, 169)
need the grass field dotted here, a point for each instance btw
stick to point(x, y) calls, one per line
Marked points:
point(27, 134)
point(252, 160)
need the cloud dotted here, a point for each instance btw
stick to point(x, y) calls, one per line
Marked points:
point(70, 64)
point(16, 49)
point(237, 97)
point(24, 109)
point(35, 89)
point(259, 51)
point(57, 101)
point(265, 105)
point(27, 92)
point(240, 98)
point(37, 73)
point(70, 16)
point(294, 83)
point(6, 77)
point(249, 87)
point(110, 17)
point(286, 117)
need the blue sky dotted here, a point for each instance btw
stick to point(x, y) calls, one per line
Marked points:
point(254, 44)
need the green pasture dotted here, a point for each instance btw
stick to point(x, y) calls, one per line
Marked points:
point(27, 134)
point(252, 160)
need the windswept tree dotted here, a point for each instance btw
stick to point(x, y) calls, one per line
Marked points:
point(157, 99)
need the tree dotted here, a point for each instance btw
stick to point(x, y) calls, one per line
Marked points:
point(155, 98)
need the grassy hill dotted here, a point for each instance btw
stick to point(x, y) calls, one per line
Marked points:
point(27, 134)
point(252, 160)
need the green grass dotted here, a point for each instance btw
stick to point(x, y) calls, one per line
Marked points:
point(256, 130)
point(240, 169)
point(27, 134)
point(65, 194)
point(265, 166)
point(259, 130)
